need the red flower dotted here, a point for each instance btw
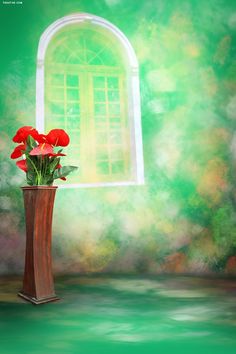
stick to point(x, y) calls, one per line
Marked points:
point(42, 149)
point(41, 138)
point(18, 151)
point(22, 165)
point(41, 146)
point(58, 137)
point(23, 133)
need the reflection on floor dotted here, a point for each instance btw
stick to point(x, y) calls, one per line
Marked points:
point(122, 314)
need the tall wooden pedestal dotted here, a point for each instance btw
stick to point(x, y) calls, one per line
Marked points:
point(38, 285)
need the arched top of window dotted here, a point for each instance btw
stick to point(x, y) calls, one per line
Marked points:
point(84, 47)
point(88, 84)
point(83, 20)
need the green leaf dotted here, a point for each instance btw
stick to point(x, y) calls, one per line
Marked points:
point(64, 171)
point(31, 163)
point(53, 163)
point(31, 143)
point(31, 177)
point(47, 180)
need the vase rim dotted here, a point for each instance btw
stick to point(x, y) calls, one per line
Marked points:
point(39, 187)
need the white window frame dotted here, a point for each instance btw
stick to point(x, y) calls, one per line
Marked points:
point(134, 113)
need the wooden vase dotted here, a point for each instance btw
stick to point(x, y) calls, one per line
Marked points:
point(38, 284)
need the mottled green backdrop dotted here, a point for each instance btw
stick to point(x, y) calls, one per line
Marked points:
point(184, 218)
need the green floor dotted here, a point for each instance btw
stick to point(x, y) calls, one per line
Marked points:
point(122, 314)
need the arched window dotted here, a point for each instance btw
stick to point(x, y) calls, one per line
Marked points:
point(88, 84)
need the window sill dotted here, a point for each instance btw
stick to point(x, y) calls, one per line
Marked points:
point(101, 184)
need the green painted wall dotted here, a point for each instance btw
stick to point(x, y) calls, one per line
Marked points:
point(183, 218)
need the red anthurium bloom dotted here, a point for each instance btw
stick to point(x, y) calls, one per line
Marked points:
point(22, 165)
point(42, 149)
point(18, 151)
point(41, 138)
point(23, 133)
point(58, 137)
point(44, 158)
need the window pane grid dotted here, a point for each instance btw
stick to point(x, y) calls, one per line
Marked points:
point(108, 126)
point(68, 103)
point(64, 111)
point(72, 108)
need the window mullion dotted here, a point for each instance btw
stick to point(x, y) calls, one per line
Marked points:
point(91, 126)
point(83, 128)
point(125, 124)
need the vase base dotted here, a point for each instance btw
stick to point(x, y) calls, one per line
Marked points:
point(35, 301)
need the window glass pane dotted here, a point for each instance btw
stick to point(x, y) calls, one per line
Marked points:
point(99, 82)
point(114, 109)
point(73, 122)
point(100, 109)
point(60, 54)
point(101, 154)
point(99, 96)
point(74, 137)
point(100, 122)
point(116, 153)
point(95, 60)
point(73, 157)
point(112, 82)
point(117, 167)
point(108, 57)
point(115, 137)
point(115, 121)
point(103, 168)
point(72, 152)
point(101, 137)
point(113, 95)
point(72, 80)
point(73, 108)
point(76, 58)
point(72, 95)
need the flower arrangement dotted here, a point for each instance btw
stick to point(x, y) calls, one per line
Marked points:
point(41, 162)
